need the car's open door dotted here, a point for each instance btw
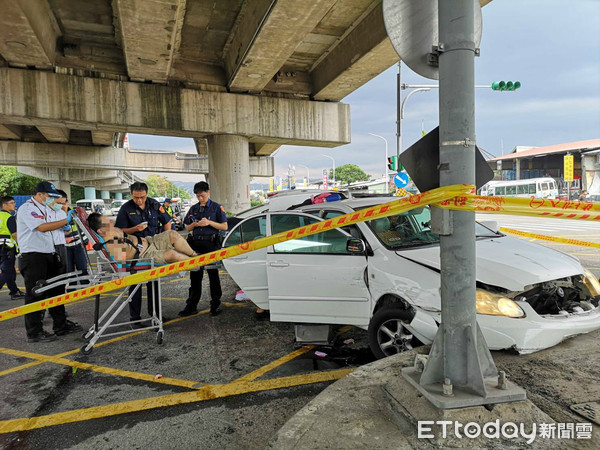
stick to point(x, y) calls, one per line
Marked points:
point(315, 279)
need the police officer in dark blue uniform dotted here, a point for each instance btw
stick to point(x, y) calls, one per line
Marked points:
point(204, 220)
point(141, 216)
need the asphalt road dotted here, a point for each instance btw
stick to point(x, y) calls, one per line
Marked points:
point(225, 381)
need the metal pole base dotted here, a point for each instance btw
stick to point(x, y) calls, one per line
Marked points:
point(452, 397)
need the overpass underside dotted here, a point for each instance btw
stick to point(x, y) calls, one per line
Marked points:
point(241, 77)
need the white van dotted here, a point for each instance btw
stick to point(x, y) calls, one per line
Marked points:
point(92, 205)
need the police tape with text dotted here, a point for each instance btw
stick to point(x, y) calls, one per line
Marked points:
point(455, 197)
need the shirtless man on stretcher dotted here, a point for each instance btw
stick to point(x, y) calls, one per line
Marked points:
point(165, 247)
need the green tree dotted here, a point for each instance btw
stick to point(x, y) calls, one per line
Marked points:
point(15, 183)
point(159, 186)
point(349, 173)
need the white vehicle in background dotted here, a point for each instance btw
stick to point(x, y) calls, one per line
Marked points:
point(532, 187)
point(115, 206)
point(92, 205)
point(384, 276)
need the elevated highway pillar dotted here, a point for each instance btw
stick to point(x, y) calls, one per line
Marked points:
point(118, 196)
point(229, 171)
point(90, 192)
point(104, 195)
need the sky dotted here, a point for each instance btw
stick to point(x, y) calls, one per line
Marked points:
point(551, 46)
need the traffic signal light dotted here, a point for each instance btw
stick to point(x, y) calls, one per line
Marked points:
point(393, 163)
point(506, 85)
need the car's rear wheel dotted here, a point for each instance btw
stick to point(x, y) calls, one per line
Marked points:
point(387, 333)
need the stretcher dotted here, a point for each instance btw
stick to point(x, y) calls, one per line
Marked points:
point(108, 269)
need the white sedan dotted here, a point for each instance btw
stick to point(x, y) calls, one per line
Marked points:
point(383, 276)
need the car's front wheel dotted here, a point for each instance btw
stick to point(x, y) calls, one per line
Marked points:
point(387, 333)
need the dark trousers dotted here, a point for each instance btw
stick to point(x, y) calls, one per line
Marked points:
point(195, 291)
point(76, 259)
point(35, 267)
point(7, 267)
point(135, 305)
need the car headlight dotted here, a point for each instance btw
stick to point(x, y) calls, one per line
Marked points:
point(591, 282)
point(497, 305)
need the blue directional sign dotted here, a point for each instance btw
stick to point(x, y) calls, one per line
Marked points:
point(401, 179)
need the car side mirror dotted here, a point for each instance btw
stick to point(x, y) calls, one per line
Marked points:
point(491, 224)
point(355, 245)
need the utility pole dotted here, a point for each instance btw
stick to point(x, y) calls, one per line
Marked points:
point(459, 356)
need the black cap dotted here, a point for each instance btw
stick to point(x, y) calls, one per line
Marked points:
point(168, 200)
point(47, 187)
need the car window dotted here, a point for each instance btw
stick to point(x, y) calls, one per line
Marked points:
point(248, 230)
point(327, 242)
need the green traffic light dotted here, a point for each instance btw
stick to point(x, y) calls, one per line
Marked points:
point(506, 85)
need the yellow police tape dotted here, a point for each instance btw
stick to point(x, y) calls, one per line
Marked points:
point(550, 238)
point(456, 197)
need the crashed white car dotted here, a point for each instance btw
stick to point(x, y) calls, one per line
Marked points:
point(383, 276)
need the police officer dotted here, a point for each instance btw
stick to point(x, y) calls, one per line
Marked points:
point(141, 216)
point(204, 220)
point(8, 247)
point(39, 260)
point(76, 259)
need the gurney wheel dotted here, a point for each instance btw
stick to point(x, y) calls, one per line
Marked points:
point(86, 351)
point(85, 336)
point(159, 337)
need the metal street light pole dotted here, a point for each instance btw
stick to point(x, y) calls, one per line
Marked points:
point(307, 173)
point(385, 172)
point(331, 158)
point(424, 89)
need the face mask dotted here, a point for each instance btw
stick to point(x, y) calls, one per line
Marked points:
point(57, 207)
point(48, 201)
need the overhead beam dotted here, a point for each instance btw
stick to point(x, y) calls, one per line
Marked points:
point(11, 132)
point(106, 160)
point(39, 98)
point(150, 34)
point(264, 37)
point(104, 138)
point(28, 33)
point(363, 53)
point(265, 149)
point(55, 134)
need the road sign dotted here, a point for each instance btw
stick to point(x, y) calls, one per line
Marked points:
point(412, 27)
point(568, 160)
point(401, 179)
point(325, 184)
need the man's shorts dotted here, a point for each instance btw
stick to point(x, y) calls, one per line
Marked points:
point(157, 246)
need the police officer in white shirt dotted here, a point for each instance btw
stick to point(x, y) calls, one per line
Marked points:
point(39, 260)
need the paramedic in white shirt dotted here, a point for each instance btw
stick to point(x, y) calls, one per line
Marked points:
point(39, 260)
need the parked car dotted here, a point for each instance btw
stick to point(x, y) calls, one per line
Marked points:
point(115, 206)
point(384, 276)
point(92, 205)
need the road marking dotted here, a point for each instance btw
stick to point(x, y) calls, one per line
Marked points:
point(278, 362)
point(101, 369)
point(206, 392)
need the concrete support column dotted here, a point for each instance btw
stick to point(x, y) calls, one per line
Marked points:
point(229, 171)
point(65, 186)
point(118, 196)
point(90, 192)
point(104, 195)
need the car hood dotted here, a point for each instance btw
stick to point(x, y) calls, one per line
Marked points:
point(508, 262)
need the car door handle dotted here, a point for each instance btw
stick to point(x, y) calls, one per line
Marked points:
point(279, 264)
point(239, 257)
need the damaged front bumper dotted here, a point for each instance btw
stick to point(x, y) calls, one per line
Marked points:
point(534, 332)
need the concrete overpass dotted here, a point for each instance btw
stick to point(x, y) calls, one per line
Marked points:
point(242, 76)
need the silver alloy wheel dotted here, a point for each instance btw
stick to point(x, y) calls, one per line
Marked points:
point(393, 338)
